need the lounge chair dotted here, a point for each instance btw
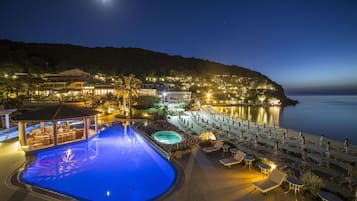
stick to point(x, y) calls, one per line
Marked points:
point(274, 180)
point(213, 148)
point(326, 196)
point(238, 158)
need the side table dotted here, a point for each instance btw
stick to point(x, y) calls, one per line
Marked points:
point(264, 169)
point(233, 151)
point(294, 185)
point(225, 148)
point(248, 161)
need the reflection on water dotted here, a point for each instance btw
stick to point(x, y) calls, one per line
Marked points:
point(261, 115)
point(63, 163)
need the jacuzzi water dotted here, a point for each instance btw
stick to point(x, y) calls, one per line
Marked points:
point(167, 137)
point(111, 166)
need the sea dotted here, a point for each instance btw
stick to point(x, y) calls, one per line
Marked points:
point(334, 116)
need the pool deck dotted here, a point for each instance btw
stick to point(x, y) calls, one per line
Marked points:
point(11, 159)
point(204, 179)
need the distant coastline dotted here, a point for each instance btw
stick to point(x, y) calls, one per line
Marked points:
point(327, 92)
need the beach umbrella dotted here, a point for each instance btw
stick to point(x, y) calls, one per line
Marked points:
point(321, 140)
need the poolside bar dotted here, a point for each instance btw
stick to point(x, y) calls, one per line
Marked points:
point(54, 125)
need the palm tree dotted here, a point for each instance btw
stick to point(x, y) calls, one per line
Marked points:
point(131, 88)
point(119, 87)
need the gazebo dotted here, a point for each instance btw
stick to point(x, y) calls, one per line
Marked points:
point(58, 124)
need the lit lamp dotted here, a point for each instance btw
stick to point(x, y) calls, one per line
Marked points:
point(164, 94)
point(208, 97)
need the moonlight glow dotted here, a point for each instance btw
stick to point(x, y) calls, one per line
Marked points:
point(104, 1)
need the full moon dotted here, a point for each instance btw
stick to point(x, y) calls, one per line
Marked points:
point(105, 1)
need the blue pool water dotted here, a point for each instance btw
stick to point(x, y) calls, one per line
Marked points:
point(111, 166)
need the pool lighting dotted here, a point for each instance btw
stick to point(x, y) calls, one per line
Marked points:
point(108, 193)
point(68, 156)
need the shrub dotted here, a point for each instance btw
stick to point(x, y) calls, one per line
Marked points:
point(312, 182)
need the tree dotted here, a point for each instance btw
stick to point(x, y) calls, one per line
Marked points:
point(32, 83)
point(132, 86)
point(120, 88)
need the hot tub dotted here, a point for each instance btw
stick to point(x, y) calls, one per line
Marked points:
point(167, 137)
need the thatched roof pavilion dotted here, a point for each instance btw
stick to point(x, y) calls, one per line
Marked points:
point(55, 114)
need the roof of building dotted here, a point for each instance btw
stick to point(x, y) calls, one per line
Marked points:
point(74, 72)
point(55, 112)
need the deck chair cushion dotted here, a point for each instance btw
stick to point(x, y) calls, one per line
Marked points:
point(274, 180)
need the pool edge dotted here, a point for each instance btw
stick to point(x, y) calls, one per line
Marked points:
point(43, 193)
point(180, 174)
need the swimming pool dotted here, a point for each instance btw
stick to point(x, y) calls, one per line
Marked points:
point(111, 166)
point(167, 137)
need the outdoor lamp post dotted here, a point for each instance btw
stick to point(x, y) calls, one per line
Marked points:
point(164, 94)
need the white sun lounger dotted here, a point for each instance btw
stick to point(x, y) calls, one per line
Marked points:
point(238, 158)
point(213, 148)
point(274, 180)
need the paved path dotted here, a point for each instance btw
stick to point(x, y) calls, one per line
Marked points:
point(10, 160)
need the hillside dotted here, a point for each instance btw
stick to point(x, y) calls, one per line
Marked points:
point(41, 57)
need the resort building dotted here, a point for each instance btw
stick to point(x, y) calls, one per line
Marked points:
point(148, 92)
point(178, 97)
point(104, 89)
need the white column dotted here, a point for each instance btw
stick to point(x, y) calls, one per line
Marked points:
point(22, 134)
point(7, 121)
point(96, 123)
point(68, 124)
point(86, 126)
point(42, 126)
point(55, 140)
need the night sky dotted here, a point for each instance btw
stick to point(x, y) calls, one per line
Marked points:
point(303, 45)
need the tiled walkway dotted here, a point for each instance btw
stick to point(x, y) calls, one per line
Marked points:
point(10, 160)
